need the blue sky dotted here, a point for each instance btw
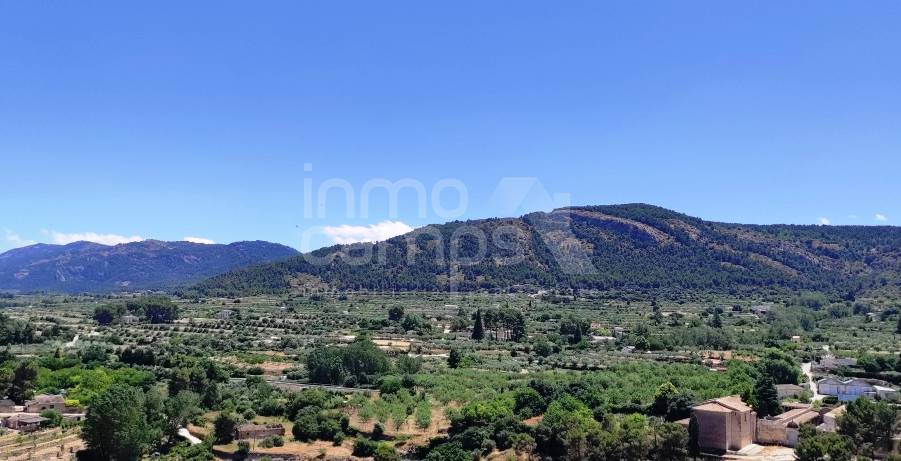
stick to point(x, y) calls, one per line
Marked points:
point(195, 119)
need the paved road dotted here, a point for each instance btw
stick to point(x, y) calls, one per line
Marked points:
point(183, 432)
point(812, 385)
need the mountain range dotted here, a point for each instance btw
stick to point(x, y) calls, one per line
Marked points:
point(149, 264)
point(635, 247)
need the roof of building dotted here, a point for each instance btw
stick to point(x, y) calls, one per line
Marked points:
point(724, 405)
point(791, 387)
point(796, 417)
point(259, 427)
point(854, 381)
point(46, 398)
point(27, 419)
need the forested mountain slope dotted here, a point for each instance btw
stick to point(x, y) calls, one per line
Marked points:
point(636, 246)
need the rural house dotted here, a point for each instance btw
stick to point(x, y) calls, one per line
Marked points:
point(852, 388)
point(24, 423)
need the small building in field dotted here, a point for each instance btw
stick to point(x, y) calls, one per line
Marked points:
point(725, 424)
point(787, 391)
point(796, 339)
point(224, 314)
point(129, 319)
point(46, 402)
point(258, 431)
point(783, 429)
point(24, 423)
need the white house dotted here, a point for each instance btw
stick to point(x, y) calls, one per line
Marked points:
point(846, 389)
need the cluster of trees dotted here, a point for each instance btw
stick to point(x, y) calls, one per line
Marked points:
point(865, 430)
point(155, 309)
point(14, 331)
point(505, 324)
point(126, 422)
point(359, 363)
point(569, 429)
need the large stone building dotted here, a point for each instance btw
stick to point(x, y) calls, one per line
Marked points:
point(725, 424)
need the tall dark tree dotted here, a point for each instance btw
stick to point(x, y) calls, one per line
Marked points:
point(767, 397)
point(454, 358)
point(22, 381)
point(717, 321)
point(478, 326)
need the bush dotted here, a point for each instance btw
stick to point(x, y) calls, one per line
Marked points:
point(364, 448)
point(385, 452)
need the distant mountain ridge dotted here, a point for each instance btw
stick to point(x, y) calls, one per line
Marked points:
point(149, 264)
point(635, 247)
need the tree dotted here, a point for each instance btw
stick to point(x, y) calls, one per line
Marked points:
point(694, 448)
point(409, 365)
point(780, 366)
point(767, 398)
point(670, 442)
point(224, 427)
point(395, 313)
point(814, 445)
point(478, 327)
point(898, 326)
point(717, 321)
point(454, 358)
point(116, 427)
point(22, 382)
point(179, 410)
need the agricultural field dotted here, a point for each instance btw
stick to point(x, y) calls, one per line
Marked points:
point(425, 375)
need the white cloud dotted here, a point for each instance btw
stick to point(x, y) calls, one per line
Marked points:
point(824, 221)
point(372, 233)
point(881, 217)
point(200, 240)
point(61, 238)
point(15, 241)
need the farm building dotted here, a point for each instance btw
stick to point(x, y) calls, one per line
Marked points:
point(783, 429)
point(46, 402)
point(24, 423)
point(725, 424)
point(258, 431)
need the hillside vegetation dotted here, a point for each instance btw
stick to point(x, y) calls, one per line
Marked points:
point(634, 247)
